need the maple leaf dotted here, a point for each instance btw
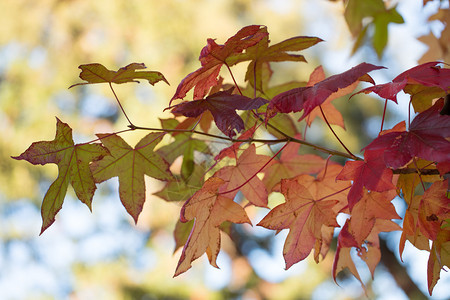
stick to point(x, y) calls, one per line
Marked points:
point(310, 204)
point(73, 167)
point(371, 173)
point(213, 56)
point(427, 74)
point(408, 182)
point(309, 97)
point(411, 230)
point(223, 106)
point(332, 114)
point(372, 206)
point(356, 14)
point(182, 145)
point(369, 253)
point(261, 54)
point(426, 139)
point(130, 165)
point(439, 257)
point(231, 151)
point(422, 97)
point(204, 121)
point(247, 165)
point(342, 258)
point(97, 73)
point(210, 210)
point(433, 209)
point(304, 216)
point(291, 164)
point(438, 49)
point(181, 233)
point(181, 188)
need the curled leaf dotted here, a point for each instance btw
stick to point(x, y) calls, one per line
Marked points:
point(97, 73)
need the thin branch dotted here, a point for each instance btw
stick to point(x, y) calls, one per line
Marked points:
point(271, 141)
point(414, 170)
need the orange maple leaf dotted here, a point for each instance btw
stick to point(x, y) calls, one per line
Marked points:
point(439, 257)
point(411, 231)
point(310, 205)
point(291, 164)
point(372, 206)
point(369, 253)
point(247, 165)
point(210, 210)
point(434, 209)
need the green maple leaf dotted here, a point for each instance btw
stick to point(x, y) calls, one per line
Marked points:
point(182, 145)
point(358, 11)
point(73, 166)
point(130, 165)
point(261, 54)
point(97, 73)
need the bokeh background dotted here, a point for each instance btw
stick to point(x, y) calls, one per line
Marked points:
point(103, 255)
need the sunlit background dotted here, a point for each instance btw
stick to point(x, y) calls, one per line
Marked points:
point(103, 255)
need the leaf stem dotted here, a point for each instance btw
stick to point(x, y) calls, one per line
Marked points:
point(121, 107)
point(419, 173)
point(329, 126)
point(384, 114)
point(234, 80)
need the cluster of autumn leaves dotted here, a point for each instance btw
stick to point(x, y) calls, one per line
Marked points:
point(409, 160)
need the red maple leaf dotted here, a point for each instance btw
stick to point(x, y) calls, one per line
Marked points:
point(426, 139)
point(332, 114)
point(309, 97)
point(213, 56)
point(371, 173)
point(210, 210)
point(427, 74)
point(223, 106)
